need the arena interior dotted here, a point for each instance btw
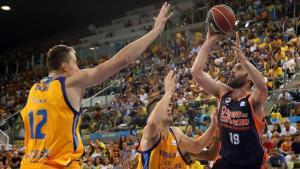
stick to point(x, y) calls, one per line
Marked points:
point(114, 113)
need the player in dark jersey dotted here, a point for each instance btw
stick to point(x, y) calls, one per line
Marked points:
point(241, 112)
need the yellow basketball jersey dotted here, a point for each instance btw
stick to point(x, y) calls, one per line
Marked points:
point(52, 138)
point(163, 155)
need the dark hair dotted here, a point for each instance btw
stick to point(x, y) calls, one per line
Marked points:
point(95, 164)
point(266, 128)
point(121, 142)
point(57, 55)
point(278, 128)
point(92, 148)
point(296, 135)
point(151, 105)
point(251, 84)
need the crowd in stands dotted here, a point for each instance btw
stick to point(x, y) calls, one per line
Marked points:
point(112, 155)
point(275, 54)
point(281, 142)
point(270, 40)
point(10, 156)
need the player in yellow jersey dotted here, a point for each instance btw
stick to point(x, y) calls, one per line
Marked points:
point(166, 147)
point(52, 112)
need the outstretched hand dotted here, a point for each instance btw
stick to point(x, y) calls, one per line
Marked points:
point(237, 47)
point(214, 37)
point(162, 18)
point(170, 82)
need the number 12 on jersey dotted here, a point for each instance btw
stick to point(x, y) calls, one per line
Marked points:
point(35, 131)
point(234, 138)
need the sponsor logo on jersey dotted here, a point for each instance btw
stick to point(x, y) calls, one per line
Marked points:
point(173, 142)
point(227, 100)
point(242, 104)
point(234, 119)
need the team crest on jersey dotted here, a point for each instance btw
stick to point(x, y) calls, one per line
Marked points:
point(242, 104)
point(227, 99)
point(173, 142)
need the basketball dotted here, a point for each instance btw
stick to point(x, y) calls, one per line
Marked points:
point(221, 19)
point(151, 85)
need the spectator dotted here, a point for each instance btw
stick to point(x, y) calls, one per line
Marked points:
point(198, 132)
point(276, 129)
point(276, 140)
point(81, 164)
point(121, 141)
point(284, 99)
point(276, 159)
point(97, 152)
point(117, 164)
point(134, 153)
point(144, 97)
point(10, 155)
point(125, 152)
point(97, 162)
point(285, 96)
point(106, 164)
point(298, 126)
point(290, 65)
point(103, 150)
point(88, 152)
point(275, 76)
point(3, 157)
point(108, 151)
point(267, 144)
point(286, 146)
point(116, 151)
point(296, 145)
point(288, 128)
point(189, 132)
point(16, 160)
point(267, 132)
point(89, 164)
point(131, 140)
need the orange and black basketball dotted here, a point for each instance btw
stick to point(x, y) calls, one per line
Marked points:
point(221, 19)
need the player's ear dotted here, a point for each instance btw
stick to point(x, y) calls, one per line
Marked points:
point(64, 67)
point(249, 80)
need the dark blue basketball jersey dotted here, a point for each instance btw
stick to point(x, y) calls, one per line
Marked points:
point(239, 132)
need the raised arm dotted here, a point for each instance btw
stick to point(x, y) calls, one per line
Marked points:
point(260, 93)
point(213, 150)
point(123, 58)
point(151, 130)
point(195, 146)
point(202, 78)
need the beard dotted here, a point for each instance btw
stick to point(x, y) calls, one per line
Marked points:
point(236, 83)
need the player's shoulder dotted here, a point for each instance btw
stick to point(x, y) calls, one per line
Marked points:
point(223, 88)
point(175, 129)
point(77, 78)
point(177, 132)
point(30, 93)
